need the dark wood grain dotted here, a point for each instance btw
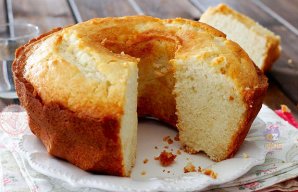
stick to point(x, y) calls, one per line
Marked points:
point(275, 97)
point(285, 73)
point(2, 12)
point(47, 14)
point(287, 9)
point(5, 102)
point(104, 8)
point(169, 8)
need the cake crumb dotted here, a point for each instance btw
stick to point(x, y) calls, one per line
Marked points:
point(210, 173)
point(166, 138)
point(187, 159)
point(207, 172)
point(169, 172)
point(143, 173)
point(178, 152)
point(156, 158)
point(176, 138)
point(245, 155)
point(145, 161)
point(231, 98)
point(170, 141)
point(285, 108)
point(200, 169)
point(166, 147)
point(166, 158)
point(172, 150)
point(163, 170)
point(155, 147)
point(189, 168)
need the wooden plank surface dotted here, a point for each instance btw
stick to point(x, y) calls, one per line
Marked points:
point(169, 8)
point(2, 12)
point(275, 97)
point(46, 14)
point(287, 9)
point(284, 72)
point(104, 8)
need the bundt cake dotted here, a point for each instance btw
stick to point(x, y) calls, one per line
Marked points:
point(262, 45)
point(83, 87)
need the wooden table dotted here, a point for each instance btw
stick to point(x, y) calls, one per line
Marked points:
point(279, 16)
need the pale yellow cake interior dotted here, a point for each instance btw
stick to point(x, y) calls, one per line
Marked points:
point(182, 72)
point(261, 44)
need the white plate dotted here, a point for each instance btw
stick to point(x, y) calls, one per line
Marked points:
point(150, 134)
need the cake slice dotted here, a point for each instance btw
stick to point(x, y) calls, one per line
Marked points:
point(262, 45)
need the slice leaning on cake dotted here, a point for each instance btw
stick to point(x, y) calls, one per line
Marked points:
point(261, 44)
point(84, 86)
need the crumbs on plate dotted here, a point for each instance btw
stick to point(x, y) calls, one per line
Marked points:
point(168, 139)
point(245, 155)
point(189, 168)
point(145, 161)
point(208, 172)
point(166, 158)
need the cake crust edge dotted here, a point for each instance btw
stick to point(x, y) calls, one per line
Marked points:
point(102, 151)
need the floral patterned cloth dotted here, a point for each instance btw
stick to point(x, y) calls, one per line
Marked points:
point(281, 163)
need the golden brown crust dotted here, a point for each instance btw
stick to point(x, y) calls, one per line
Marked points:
point(198, 25)
point(253, 96)
point(272, 54)
point(92, 142)
point(89, 143)
point(273, 41)
point(253, 99)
